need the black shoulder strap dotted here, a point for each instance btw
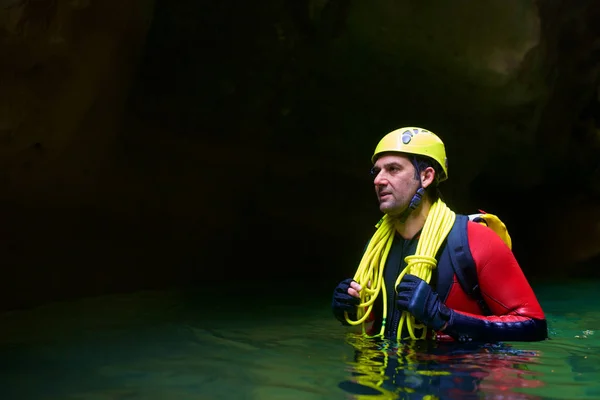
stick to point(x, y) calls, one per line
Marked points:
point(462, 261)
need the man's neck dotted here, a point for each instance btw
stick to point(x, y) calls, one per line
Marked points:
point(415, 221)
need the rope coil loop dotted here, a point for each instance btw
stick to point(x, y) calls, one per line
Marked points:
point(370, 270)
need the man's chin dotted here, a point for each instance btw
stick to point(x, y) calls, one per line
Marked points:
point(390, 211)
point(387, 210)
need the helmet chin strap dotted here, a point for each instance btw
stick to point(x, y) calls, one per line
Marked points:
point(414, 203)
point(417, 197)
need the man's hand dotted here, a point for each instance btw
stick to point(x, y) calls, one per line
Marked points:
point(416, 297)
point(346, 297)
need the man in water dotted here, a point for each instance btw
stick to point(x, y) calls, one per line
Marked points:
point(406, 285)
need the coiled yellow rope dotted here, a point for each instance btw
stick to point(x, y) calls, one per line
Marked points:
point(370, 270)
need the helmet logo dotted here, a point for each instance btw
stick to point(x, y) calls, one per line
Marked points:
point(407, 135)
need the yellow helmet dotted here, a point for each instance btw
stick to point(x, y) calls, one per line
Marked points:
point(413, 140)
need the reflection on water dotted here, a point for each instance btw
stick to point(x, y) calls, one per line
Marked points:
point(170, 345)
point(416, 370)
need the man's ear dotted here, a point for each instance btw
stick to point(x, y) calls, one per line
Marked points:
point(427, 176)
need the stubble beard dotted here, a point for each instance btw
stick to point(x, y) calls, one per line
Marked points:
point(392, 209)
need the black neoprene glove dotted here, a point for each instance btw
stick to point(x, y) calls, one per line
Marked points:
point(343, 302)
point(416, 296)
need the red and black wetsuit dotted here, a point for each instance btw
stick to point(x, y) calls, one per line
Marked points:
point(515, 311)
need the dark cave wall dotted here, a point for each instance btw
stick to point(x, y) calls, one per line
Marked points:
point(319, 83)
point(225, 135)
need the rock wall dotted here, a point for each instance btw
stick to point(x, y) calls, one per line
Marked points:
point(66, 69)
point(144, 145)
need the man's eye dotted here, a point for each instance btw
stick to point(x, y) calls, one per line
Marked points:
point(374, 172)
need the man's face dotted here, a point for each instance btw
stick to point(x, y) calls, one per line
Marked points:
point(395, 183)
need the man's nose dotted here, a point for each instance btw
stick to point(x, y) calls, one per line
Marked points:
point(379, 178)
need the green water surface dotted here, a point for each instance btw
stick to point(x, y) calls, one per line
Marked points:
point(193, 345)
